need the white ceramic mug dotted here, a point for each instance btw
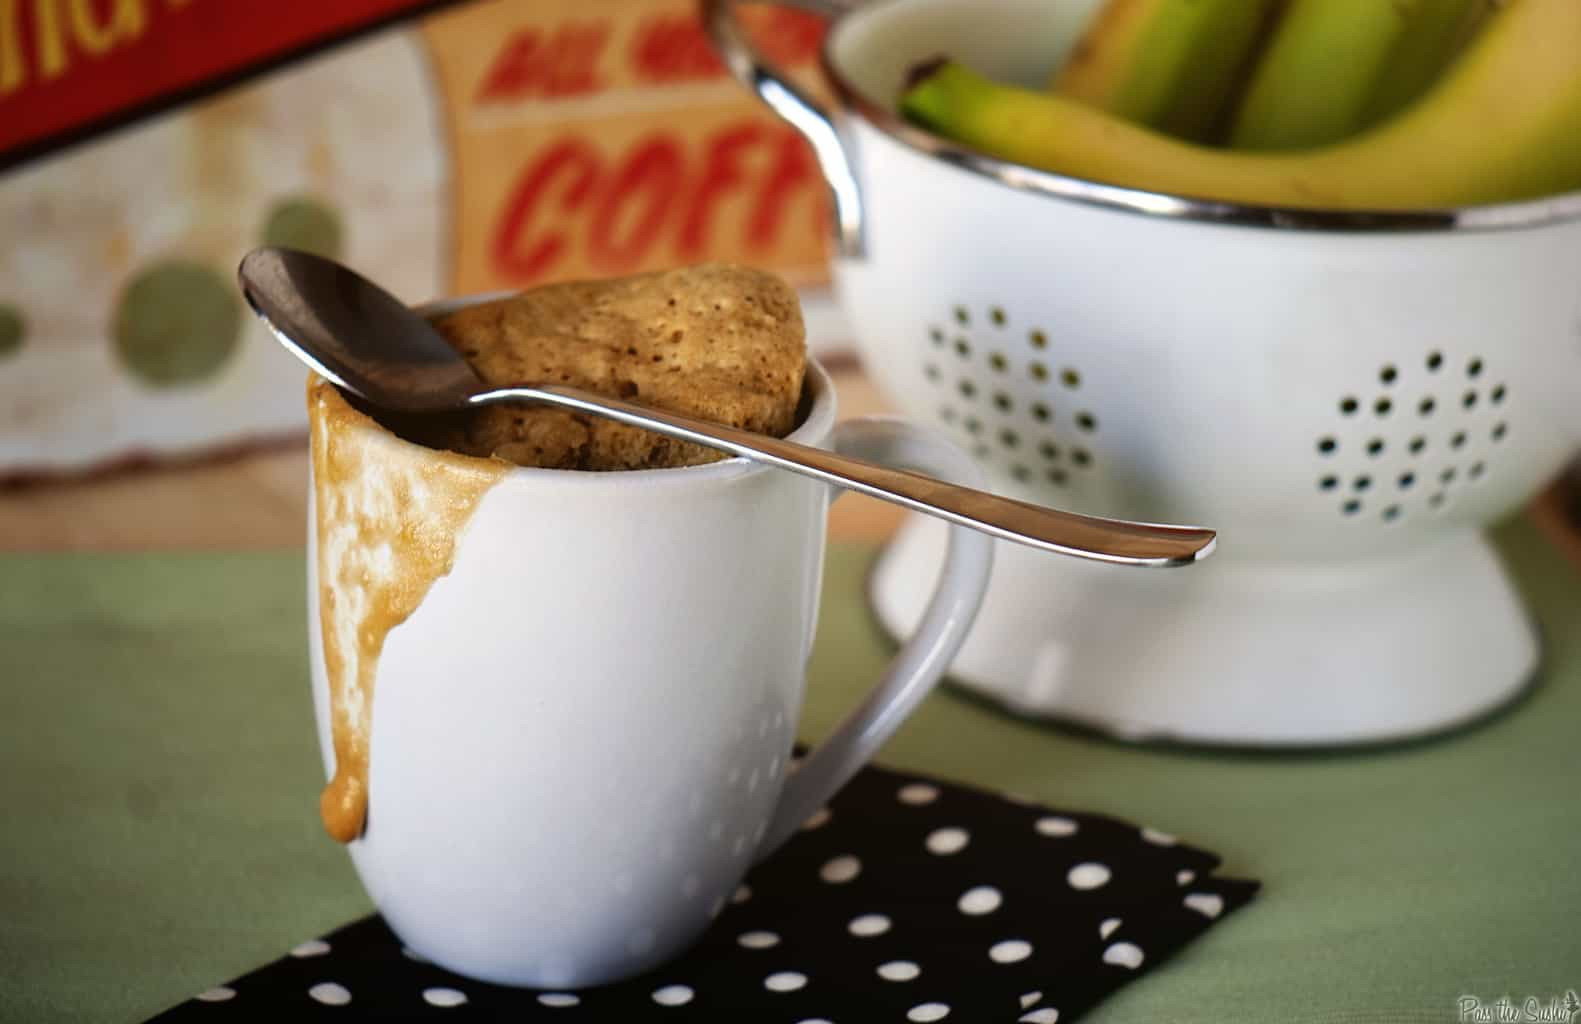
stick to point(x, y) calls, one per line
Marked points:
point(580, 738)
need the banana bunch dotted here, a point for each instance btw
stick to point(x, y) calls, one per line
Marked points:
point(1353, 104)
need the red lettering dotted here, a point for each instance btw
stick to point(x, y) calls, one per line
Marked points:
point(523, 259)
point(794, 169)
point(787, 37)
point(721, 173)
point(650, 177)
point(532, 64)
point(673, 48)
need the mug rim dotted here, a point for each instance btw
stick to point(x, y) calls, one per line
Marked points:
point(817, 392)
point(1540, 211)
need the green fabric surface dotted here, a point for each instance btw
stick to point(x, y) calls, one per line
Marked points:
point(159, 776)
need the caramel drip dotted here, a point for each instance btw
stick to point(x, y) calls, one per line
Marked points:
point(389, 515)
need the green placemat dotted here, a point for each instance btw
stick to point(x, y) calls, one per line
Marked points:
point(159, 772)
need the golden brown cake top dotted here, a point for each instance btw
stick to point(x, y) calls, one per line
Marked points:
point(720, 342)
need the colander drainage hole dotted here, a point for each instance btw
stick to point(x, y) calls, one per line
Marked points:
point(1057, 477)
point(1049, 450)
point(1070, 378)
point(1499, 430)
point(1040, 412)
point(1391, 513)
point(1477, 469)
point(1327, 445)
point(973, 425)
point(1458, 439)
point(1361, 483)
point(1021, 473)
point(967, 388)
point(1038, 339)
point(1406, 480)
point(997, 315)
point(1470, 400)
point(1038, 371)
point(1497, 394)
point(1001, 401)
point(1328, 483)
point(1080, 456)
point(1348, 406)
point(963, 348)
point(1382, 406)
point(1351, 507)
point(1447, 476)
point(961, 316)
point(1426, 406)
point(936, 335)
point(1375, 447)
point(1417, 444)
point(1474, 368)
point(1434, 360)
point(1009, 439)
point(1086, 421)
point(1437, 500)
point(998, 361)
point(931, 372)
point(1388, 374)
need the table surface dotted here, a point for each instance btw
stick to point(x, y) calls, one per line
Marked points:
point(1371, 913)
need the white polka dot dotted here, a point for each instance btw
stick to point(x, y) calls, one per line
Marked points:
point(1108, 926)
point(785, 981)
point(984, 899)
point(817, 819)
point(945, 841)
point(1208, 904)
point(1010, 951)
point(1157, 838)
point(1088, 875)
point(898, 970)
point(1185, 876)
point(217, 994)
point(1029, 999)
point(558, 999)
point(330, 994)
point(444, 997)
point(840, 869)
point(922, 1013)
point(413, 955)
point(741, 895)
point(673, 995)
point(758, 940)
point(868, 925)
point(1124, 954)
point(312, 947)
point(918, 793)
point(1046, 1015)
point(1056, 826)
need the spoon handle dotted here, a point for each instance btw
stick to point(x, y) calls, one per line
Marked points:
point(1069, 533)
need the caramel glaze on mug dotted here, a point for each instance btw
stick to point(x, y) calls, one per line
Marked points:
point(389, 515)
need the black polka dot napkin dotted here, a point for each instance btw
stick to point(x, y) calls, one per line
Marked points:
point(907, 900)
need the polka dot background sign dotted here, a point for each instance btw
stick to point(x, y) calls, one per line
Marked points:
point(905, 900)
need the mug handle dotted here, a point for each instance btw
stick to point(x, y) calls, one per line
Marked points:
point(920, 663)
point(793, 104)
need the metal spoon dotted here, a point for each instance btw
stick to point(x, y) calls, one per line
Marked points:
point(362, 338)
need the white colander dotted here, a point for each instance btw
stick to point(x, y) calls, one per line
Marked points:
point(1348, 398)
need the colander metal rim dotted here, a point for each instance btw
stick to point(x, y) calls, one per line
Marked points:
point(1526, 213)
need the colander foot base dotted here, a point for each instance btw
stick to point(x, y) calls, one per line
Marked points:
point(1234, 652)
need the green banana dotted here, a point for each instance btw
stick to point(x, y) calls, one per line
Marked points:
point(1439, 30)
point(1318, 72)
point(1167, 64)
point(1503, 123)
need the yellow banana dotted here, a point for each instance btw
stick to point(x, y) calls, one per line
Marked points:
point(1504, 123)
point(1439, 30)
point(1318, 72)
point(1168, 64)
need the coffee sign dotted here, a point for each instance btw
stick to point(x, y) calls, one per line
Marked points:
point(443, 148)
